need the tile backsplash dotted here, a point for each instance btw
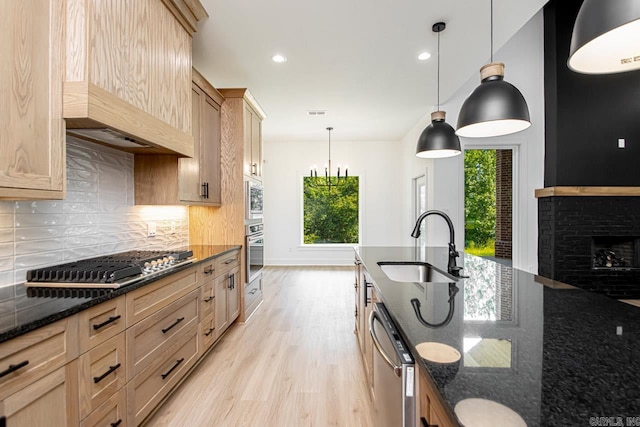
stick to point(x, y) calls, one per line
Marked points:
point(97, 217)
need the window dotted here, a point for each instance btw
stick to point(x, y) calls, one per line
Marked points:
point(331, 212)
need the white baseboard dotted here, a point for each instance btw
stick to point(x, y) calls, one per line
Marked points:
point(307, 261)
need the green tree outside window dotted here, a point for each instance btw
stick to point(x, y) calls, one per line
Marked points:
point(331, 212)
point(480, 201)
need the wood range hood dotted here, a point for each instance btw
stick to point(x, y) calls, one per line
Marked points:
point(127, 81)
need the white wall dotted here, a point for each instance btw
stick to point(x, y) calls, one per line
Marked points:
point(388, 168)
point(96, 217)
point(523, 58)
point(377, 163)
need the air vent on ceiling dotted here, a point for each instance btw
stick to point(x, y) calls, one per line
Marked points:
point(314, 113)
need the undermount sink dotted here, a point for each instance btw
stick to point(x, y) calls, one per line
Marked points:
point(399, 271)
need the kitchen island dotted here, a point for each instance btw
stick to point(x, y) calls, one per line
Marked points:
point(554, 355)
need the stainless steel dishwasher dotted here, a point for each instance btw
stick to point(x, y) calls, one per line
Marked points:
point(393, 373)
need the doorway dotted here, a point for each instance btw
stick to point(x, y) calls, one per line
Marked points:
point(488, 206)
point(420, 205)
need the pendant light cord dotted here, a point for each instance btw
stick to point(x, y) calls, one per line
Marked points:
point(491, 31)
point(438, 71)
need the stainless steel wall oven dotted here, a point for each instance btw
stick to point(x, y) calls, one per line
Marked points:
point(255, 250)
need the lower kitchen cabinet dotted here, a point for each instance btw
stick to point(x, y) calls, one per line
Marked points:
point(113, 412)
point(113, 363)
point(227, 299)
point(102, 372)
point(252, 295)
point(49, 401)
point(430, 407)
point(150, 386)
point(366, 300)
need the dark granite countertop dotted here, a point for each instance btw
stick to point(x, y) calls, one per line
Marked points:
point(20, 313)
point(557, 357)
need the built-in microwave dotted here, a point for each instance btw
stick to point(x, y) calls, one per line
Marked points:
point(254, 194)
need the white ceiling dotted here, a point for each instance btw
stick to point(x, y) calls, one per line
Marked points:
point(357, 59)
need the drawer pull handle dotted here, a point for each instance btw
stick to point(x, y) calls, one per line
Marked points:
point(3, 421)
point(178, 362)
point(229, 261)
point(106, 322)
point(209, 332)
point(208, 299)
point(253, 291)
point(117, 423)
point(112, 369)
point(13, 368)
point(209, 271)
point(168, 328)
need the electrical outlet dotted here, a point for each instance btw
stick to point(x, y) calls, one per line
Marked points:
point(173, 227)
point(151, 229)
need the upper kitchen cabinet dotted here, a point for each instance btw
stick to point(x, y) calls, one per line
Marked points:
point(32, 164)
point(128, 73)
point(252, 116)
point(169, 180)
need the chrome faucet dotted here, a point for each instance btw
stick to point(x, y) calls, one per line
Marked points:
point(452, 268)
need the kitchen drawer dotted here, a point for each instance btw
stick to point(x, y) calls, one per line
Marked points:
point(153, 383)
point(207, 299)
point(102, 372)
point(252, 296)
point(206, 271)
point(150, 337)
point(207, 333)
point(113, 412)
point(148, 299)
point(31, 356)
point(227, 262)
point(98, 324)
point(47, 402)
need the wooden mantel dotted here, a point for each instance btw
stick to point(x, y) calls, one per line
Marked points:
point(587, 191)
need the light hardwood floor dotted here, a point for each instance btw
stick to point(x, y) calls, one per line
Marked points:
point(294, 363)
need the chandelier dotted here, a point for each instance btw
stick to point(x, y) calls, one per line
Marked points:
point(329, 180)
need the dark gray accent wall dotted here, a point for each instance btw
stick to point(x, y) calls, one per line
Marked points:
point(566, 228)
point(586, 114)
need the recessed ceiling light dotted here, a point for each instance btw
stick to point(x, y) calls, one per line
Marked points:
point(424, 56)
point(279, 58)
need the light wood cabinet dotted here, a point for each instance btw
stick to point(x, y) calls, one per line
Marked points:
point(207, 333)
point(151, 385)
point(101, 322)
point(151, 336)
point(113, 412)
point(430, 407)
point(32, 164)
point(29, 357)
point(102, 372)
point(248, 129)
point(114, 79)
point(252, 296)
point(169, 180)
point(252, 143)
point(49, 401)
point(148, 299)
point(227, 289)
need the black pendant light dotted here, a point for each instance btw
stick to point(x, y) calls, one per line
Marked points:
point(606, 37)
point(494, 108)
point(438, 140)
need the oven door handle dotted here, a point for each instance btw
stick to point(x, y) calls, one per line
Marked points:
point(255, 238)
point(372, 318)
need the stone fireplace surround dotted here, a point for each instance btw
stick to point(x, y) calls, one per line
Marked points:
point(570, 219)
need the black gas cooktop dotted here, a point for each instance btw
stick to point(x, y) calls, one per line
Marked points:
point(109, 271)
